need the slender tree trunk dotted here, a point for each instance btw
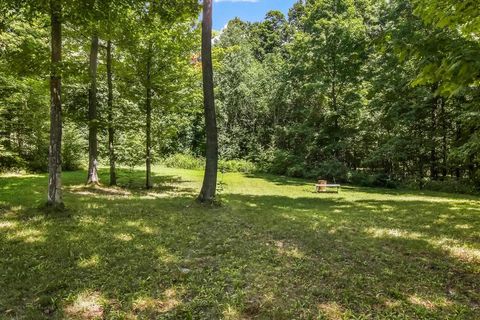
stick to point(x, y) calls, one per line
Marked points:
point(148, 103)
point(433, 130)
point(458, 136)
point(55, 155)
point(444, 139)
point(111, 128)
point(207, 194)
point(92, 112)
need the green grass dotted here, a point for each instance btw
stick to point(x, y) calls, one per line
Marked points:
point(273, 250)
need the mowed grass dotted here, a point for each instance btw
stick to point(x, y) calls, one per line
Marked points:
point(273, 250)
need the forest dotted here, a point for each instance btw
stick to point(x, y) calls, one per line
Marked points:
point(376, 93)
point(116, 115)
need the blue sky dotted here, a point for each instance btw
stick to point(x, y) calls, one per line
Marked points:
point(247, 10)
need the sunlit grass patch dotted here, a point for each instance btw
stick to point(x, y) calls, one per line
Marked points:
point(86, 306)
point(27, 235)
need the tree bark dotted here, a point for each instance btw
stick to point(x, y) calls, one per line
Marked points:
point(111, 128)
point(207, 193)
point(148, 105)
point(55, 155)
point(92, 111)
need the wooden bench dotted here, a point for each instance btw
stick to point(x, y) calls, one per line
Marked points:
point(322, 186)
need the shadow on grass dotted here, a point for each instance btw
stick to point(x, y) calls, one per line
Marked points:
point(267, 257)
point(280, 180)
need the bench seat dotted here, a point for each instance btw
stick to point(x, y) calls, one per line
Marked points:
point(325, 186)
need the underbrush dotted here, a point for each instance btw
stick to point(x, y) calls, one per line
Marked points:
point(191, 162)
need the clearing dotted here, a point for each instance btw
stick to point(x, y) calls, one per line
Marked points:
point(274, 250)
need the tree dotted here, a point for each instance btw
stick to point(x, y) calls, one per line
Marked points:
point(92, 113)
point(209, 187)
point(111, 128)
point(55, 150)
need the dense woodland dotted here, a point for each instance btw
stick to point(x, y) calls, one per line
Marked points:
point(371, 92)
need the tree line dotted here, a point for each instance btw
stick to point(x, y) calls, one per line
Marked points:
point(372, 92)
point(154, 42)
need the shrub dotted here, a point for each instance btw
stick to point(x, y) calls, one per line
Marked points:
point(364, 179)
point(236, 166)
point(10, 161)
point(279, 162)
point(451, 186)
point(188, 161)
point(296, 171)
point(130, 150)
point(184, 161)
point(332, 170)
point(73, 153)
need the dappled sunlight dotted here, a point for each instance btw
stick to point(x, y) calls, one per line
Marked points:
point(27, 235)
point(140, 226)
point(392, 304)
point(169, 300)
point(231, 313)
point(429, 302)
point(462, 226)
point(86, 306)
point(20, 175)
point(90, 262)
point(99, 191)
point(164, 194)
point(10, 211)
point(331, 310)
point(287, 249)
point(165, 256)
point(124, 237)
point(394, 233)
point(8, 225)
point(90, 220)
point(463, 253)
point(453, 247)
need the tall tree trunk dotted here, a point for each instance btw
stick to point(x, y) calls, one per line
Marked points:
point(433, 131)
point(92, 112)
point(444, 139)
point(148, 108)
point(55, 154)
point(111, 128)
point(458, 137)
point(207, 194)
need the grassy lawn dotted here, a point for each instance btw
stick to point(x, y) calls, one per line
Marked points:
point(274, 250)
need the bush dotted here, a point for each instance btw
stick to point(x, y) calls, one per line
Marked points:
point(236, 166)
point(10, 161)
point(364, 179)
point(451, 186)
point(73, 153)
point(188, 161)
point(130, 150)
point(331, 170)
point(279, 162)
point(184, 161)
point(296, 171)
